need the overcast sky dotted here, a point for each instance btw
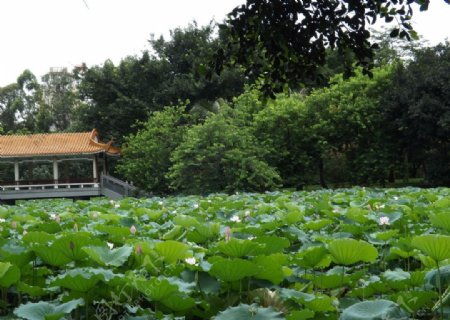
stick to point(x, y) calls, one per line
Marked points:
point(40, 34)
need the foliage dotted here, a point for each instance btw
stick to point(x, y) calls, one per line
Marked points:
point(146, 155)
point(219, 155)
point(417, 113)
point(273, 255)
point(286, 42)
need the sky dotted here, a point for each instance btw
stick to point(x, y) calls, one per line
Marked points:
point(43, 34)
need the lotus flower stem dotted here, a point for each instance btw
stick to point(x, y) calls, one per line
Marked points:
point(440, 290)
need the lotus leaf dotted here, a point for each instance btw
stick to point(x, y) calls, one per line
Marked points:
point(374, 310)
point(109, 257)
point(436, 246)
point(172, 251)
point(245, 311)
point(44, 310)
point(349, 251)
point(230, 270)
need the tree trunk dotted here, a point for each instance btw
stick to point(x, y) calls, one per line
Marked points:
point(322, 174)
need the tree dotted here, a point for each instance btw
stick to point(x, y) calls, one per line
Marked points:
point(60, 101)
point(146, 154)
point(117, 97)
point(417, 112)
point(285, 41)
point(219, 155)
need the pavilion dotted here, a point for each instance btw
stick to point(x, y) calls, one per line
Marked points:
point(54, 165)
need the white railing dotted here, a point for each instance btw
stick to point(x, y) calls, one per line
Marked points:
point(24, 187)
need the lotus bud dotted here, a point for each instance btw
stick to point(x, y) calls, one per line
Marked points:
point(13, 224)
point(138, 249)
point(75, 226)
point(228, 233)
point(133, 229)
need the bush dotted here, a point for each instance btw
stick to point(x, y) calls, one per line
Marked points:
point(146, 154)
point(219, 155)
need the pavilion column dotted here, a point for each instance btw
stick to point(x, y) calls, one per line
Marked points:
point(16, 173)
point(55, 173)
point(94, 169)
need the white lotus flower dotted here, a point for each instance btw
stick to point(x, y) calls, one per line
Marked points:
point(160, 203)
point(247, 213)
point(195, 205)
point(2, 220)
point(191, 261)
point(384, 221)
point(110, 245)
point(235, 219)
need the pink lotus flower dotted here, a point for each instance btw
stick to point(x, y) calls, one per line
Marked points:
point(133, 229)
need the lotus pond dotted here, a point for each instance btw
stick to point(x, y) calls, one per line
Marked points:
point(344, 254)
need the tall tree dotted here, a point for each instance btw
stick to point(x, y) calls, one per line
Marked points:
point(285, 41)
point(417, 112)
point(60, 101)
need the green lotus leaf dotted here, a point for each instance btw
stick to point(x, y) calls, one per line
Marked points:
point(320, 303)
point(173, 233)
point(230, 270)
point(443, 203)
point(328, 281)
point(313, 257)
point(385, 235)
point(412, 301)
point(108, 257)
point(82, 279)
point(39, 237)
point(156, 289)
point(33, 291)
point(293, 215)
point(205, 282)
point(316, 302)
point(270, 267)
point(51, 255)
point(172, 251)
point(245, 311)
point(204, 232)
point(47, 227)
point(316, 225)
point(44, 310)
point(9, 274)
point(115, 233)
point(436, 246)
point(16, 254)
point(374, 310)
point(178, 302)
point(357, 214)
point(71, 245)
point(271, 244)
point(304, 314)
point(441, 220)
point(348, 251)
point(237, 248)
point(396, 275)
point(185, 221)
point(431, 278)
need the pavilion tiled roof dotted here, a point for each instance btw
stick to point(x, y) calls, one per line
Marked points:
point(53, 144)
